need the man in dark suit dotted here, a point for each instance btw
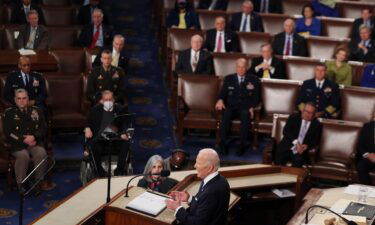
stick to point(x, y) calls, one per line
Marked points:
point(366, 19)
point(19, 12)
point(118, 54)
point(289, 42)
point(33, 82)
point(213, 4)
point(301, 133)
point(210, 205)
point(322, 92)
point(85, 11)
point(33, 35)
point(363, 49)
point(102, 119)
point(267, 65)
point(221, 39)
point(267, 6)
point(238, 97)
point(195, 59)
point(247, 20)
point(366, 152)
point(96, 34)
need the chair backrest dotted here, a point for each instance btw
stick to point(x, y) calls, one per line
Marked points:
point(5, 13)
point(337, 27)
point(279, 121)
point(352, 9)
point(323, 47)
point(179, 39)
point(59, 16)
point(275, 91)
point(300, 68)
point(9, 36)
point(199, 92)
point(56, 2)
point(357, 104)
point(234, 6)
point(294, 7)
point(225, 63)
point(338, 141)
point(62, 37)
point(273, 23)
point(250, 42)
point(70, 60)
point(207, 18)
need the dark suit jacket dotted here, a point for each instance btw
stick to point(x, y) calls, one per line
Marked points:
point(256, 23)
point(122, 62)
point(164, 186)
point(273, 7)
point(366, 142)
point(204, 65)
point(230, 38)
point(18, 15)
point(41, 41)
point(358, 54)
point(36, 87)
point(357, 23)
point(244, 96)
point(220, 4)
point(291, 131)
point(299, 44)
point(87, 35)
point(278, 64)
point(84, 15)
point(209, 206)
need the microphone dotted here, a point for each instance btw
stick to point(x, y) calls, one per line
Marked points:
point(349, 222)
point(163, 173)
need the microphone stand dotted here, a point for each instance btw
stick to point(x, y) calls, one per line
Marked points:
point(163, 173)
point(349, 222)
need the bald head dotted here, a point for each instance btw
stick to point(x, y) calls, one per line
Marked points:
point(196, 42)
point(24, 64)
point(247, 7)
point(220, 23)
point(207, 162)
point(289, 26)
point(241, 66)
point(211, 157)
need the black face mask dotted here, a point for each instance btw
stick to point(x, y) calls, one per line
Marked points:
point(182, 5)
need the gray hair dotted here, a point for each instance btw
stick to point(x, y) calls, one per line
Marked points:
point(119, 36)
point(364, 26)
point(212, 158)
point(21, 90)
point(32, 11)
point(97, 10)
point(150, 163)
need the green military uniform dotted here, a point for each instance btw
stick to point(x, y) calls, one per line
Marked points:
point(100, 80)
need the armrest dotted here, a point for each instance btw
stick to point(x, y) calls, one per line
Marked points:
point(85, 105)
point(313, 154)
point(257, 112)
point(268, 151)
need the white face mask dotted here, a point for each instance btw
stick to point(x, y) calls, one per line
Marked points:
point(108, 105)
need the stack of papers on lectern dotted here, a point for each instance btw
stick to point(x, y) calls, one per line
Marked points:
point(148, 203)
point(23, 51)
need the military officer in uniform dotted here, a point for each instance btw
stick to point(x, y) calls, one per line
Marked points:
point(33, 82)
point(239, 95)
point(25, 130)
point(322, 92)
point(106, 77)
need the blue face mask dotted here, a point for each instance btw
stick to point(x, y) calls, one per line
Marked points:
point(108, 105)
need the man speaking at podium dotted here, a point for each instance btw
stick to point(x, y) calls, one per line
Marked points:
point(210, 205)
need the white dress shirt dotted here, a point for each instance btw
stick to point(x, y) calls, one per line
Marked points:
point(321, 82)
point(269, 62)
point(192, 54)
point(222, 41)
point(246, 17)
point(290, 44)
point(305, 125)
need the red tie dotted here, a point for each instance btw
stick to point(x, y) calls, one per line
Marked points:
point(96, 37)
point(287, 51)
point(219, 43)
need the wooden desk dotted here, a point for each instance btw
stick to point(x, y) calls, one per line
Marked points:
point(41, 62)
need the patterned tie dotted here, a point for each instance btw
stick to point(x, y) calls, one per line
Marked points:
point(96, 37)
point(30, 42)
point(115, 58)
point(287, 50)
point(266, 74)
point(195, 61)
point(219, 43)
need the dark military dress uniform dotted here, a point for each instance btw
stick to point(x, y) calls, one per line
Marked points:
point(238, 99)
point(100, 80)
point(16, 125)
point(326, 98)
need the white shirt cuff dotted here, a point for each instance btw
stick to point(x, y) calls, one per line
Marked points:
point(365, 155)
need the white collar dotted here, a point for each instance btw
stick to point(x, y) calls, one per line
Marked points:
point(269, 61)
point(319, 81)
point(23, 74)
point(209, 177)
point(193, 51)
point(26, 6)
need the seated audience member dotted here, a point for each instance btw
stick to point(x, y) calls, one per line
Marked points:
point(96, 34)
point(267, 65)
point(338, 70)
point(101, 119)
point(247, 20)
point(106, 77)
point(366, 19)
point(363, 49)
point(326, 8)
point(33, 82)
point(221, 39)
point(20, 11)
point(289, 42)
point(308, 24)
point(368, 76)
point(238, 97)
point(85, 11)
point(267, 6)
point(118, 54)
point(25, 130)
point(33, 35)
point(301, 134)
point(195, 59)
point(157, 183)
point(366, 152)
point(183, 16)
point(177, 161)
point(322, 92)
point(213, 4)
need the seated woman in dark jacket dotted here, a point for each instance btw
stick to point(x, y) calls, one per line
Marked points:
point(156, 182)
point(182, 16)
